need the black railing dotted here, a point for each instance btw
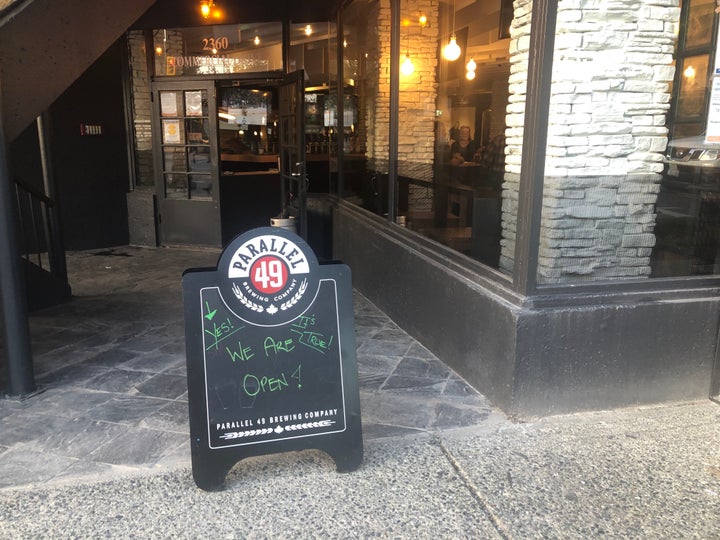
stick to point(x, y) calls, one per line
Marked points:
point(39, 230)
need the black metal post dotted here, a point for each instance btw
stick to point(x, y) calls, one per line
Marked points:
point(394, 108)
point(532, 174)
point(339, 58)
point(56, 250)
point(12, 287)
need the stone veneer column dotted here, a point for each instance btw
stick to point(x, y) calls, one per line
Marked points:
point(612, 69)
point(377, 110)
point(418, 94)
point(141, 107)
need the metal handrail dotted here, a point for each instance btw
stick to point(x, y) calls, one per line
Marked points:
point(34, 192)
point(37, 232)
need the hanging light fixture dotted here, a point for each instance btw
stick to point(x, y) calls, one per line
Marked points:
point(407, 67)
point(471, 66)
point(206, 7)
point(452, 49)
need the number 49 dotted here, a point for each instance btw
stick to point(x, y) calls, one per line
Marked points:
point(269, 274)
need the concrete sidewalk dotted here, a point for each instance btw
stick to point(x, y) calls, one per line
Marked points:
point(111, 367)
point(103, 451)
point(640, 473)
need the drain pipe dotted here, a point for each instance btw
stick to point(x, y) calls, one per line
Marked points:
point(12, 286)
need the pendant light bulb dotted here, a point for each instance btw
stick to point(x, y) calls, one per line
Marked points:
point(452, 50)
point(407, 67)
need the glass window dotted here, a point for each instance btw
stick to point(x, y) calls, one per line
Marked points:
point(632, 166)
point(699, 28)
point(231, 48)
point(313, 48)
point(453, 120)
point(687, 218)
point(366, 85)
point(186, 144)
point(632, 175)
point(692, 85)
point(247, 121)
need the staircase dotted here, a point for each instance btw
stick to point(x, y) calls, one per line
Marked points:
point(43, 253)
point(45, 45)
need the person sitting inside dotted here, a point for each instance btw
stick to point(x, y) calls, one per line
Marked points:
point(464, 148)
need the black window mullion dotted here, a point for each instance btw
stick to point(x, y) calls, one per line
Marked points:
point(537, 104)
point(394, 108)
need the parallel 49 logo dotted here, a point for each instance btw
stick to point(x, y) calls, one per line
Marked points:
point(269, 275)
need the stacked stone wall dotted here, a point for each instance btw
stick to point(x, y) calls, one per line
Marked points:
point(141, 102)
point(141, 108)
point(610, 93)
point(418, 93)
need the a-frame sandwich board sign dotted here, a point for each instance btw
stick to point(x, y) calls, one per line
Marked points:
point(271, 360)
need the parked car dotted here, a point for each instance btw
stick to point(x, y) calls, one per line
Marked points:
point(691, 154)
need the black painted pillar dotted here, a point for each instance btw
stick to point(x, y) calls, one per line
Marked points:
point(12, 285)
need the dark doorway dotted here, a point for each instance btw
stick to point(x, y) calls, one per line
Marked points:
point(90, 155)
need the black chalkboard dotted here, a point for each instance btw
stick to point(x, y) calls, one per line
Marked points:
point(271, 360)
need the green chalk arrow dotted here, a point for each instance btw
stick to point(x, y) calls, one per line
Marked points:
point(210, 314)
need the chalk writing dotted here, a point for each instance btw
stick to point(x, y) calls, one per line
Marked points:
point(210, 314)
point(242, 353)
point(313, 340)
point(221, 332)
point(304, 321)
point(296, 375)
point(277, 347)
point(253, 385)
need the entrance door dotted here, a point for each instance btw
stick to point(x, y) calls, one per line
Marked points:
point(292, 149)
point(186, 163)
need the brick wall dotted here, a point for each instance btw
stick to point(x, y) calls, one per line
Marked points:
point(612, 70)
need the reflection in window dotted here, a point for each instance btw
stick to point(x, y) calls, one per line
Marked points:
point(632, 186)
point(366, 65)
point(206, 50)
point(176, 186)
point(693, 86)
point(451, 148)
point(688, 201)
point(624, 199)
point(247, 121)
point(700, 20)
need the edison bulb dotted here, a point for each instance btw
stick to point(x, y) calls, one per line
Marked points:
point(407, 67)
point(452, 50)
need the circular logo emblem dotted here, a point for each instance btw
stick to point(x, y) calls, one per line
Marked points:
point(267, 276)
